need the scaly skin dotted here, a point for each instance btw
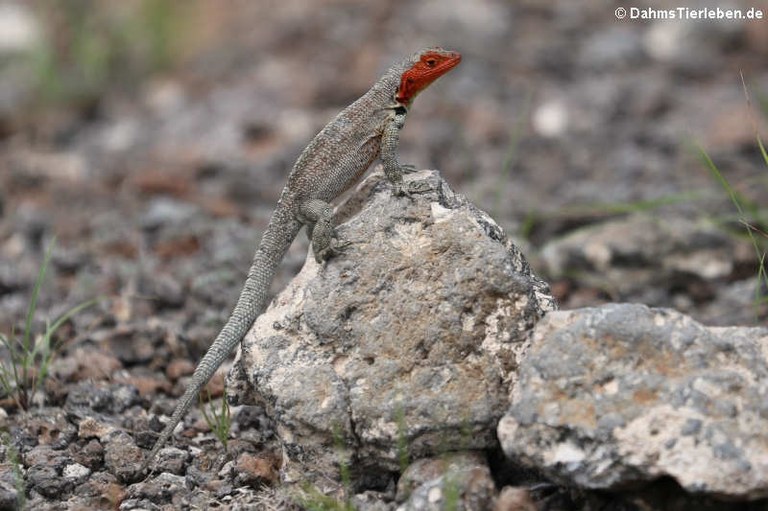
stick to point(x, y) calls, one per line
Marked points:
point(333, 161)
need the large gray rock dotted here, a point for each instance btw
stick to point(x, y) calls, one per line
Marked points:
point(405, 344)
point(671, 261)
point(618, 395)
point(653, 248)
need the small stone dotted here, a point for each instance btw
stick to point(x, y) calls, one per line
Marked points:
point(90, 455)
point(171, 459)
point(122, 457)
point(255, 471)
point(165, 292)
point(100, 397)
point(514, 499)
point(86, 364)
point(50, 427)
point(100, 491)
point(163, 211)
point(76, 471)
point(44, 474)
point(460, 487)
point(215, 386)
point(147, 386)
point(92, 428)
point(9, 483)
point(86, 395)
point(19, 28)
point(131, 344)
point(227, 470)
point(155, 492)
point(124, 397)
point(550, 119)
point(179, 367)
point(372, 501)
point(426, 469)
point(434, 495)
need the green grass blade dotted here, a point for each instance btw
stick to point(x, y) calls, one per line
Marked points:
point(14, 361)
point(722, 181)
point(35, 294)
point(67, 315)
point(762, 150)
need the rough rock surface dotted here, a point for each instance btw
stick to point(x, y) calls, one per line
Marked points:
point(648, 259)
point(402, 345)
point(613, 396)
point(461, 482)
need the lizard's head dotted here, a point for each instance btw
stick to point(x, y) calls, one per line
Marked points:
point(425, 67)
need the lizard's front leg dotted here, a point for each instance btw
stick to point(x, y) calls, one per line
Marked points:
point(390, 138)
point(318, 217)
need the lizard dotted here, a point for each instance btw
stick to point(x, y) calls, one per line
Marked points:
point(335, 159)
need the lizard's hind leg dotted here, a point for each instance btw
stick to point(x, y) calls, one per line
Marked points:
point(318, 217)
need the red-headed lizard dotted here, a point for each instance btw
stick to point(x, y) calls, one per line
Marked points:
point(333, 161)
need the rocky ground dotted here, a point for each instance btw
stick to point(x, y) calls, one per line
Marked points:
point(155, 167)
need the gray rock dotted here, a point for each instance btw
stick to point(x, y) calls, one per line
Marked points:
point(163, 211)
point(630, 256)
point(122, 457)
point(402, 345)
point(90, 455)
point(371, 501)
point(100, 397)
point(619, 395)
point(172, 460)
point(19, 28)
point(464, 483)
point(154, 493)
point(11, 482)
point(77, 472)
point(49, 427)
point(45, 472)
point(514, 499)
point(736, 303)
point(425, 470)
point(10, 498)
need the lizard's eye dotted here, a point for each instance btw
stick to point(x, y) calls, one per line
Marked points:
point(431, 62)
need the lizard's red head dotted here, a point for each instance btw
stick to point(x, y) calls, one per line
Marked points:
point(431, 65)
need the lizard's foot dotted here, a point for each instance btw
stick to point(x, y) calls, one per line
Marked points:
point(401, 190)
point(334, 248)
point(408, 189)
point(419, 186)
point(394, 173)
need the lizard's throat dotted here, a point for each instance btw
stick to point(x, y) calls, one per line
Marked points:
point(414, 81)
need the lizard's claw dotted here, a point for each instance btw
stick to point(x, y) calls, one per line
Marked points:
point(408, 189)
point(418, 186)
point(334, 248)
point(408, 168)
point(401, 190)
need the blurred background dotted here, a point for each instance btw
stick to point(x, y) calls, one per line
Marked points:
point(152, 138)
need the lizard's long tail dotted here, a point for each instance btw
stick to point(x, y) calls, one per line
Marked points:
point(280, 233)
